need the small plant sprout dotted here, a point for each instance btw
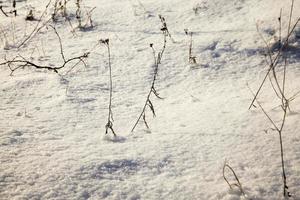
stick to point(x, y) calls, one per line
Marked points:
point(109, 124)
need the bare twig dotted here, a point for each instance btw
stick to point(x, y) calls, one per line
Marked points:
point(21, 62)
point(11, 12)
point(3, 12)
point(274, 62)
point(238, 183)
point(36, 28)
point(279, 130)
point(60, 43)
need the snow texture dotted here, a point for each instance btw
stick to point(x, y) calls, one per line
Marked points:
point(52, 142)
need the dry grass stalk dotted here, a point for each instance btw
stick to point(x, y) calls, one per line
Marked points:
point(238, 183)
point(109, 124)
point(192, 59)
point(157, 61)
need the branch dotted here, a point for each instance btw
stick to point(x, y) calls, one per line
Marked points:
point(274, 62)
point(21, 62)
point(4, 13)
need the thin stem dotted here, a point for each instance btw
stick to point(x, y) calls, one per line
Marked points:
point(109, 125)
point(157, 61)
point(36, 29)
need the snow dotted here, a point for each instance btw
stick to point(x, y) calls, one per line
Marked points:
point(52, 142)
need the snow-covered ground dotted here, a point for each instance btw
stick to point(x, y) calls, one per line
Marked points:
point(52, 141)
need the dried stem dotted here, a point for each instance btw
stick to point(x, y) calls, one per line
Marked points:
point(274, 62)
point(279, 130)
point(157, 62)
point(78, 13)
point(36, 28)
point(238, 183)
point(109, 125)
point(3, 12)
point(21, 62)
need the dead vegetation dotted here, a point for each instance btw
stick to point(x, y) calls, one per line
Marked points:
point(60, 9)
point(109, 124)
point(20, 62)
point(237, 182)
point(275, 60)
point(192, 58)
point(157, 61)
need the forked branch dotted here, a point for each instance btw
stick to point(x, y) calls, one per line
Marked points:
point(19, 62)
point(37, 27)
point(275, 61)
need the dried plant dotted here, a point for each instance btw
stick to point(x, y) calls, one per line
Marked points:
point(89, 21)
point(274, 60)
point(19, 62)
point(192, 59)
point(109, 125)
point(157, 62)
point(40, 24)
point(80, 19)
point(237, 184)
point(278, 87)
point(78, 13)
point(279, 130)
point(60, 6)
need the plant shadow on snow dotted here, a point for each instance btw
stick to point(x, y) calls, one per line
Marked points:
point(121, 169)
point(88, 28)
point(291, 51)
point(11, 138)
point(114, 139)
point(116, 167)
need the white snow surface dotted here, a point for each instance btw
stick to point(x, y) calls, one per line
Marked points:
point(52, 126)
